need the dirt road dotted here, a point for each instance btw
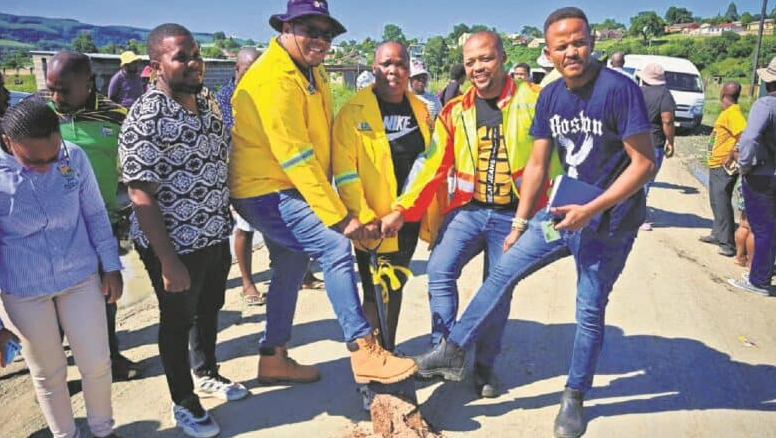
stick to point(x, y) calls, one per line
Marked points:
point(674, 364)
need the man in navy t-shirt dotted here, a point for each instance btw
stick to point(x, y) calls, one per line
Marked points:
point(597, 120)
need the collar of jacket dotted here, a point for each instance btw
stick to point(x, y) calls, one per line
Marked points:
point(367, 99)
point(507, 92)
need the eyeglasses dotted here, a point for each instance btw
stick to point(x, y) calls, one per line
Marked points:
point(313, 32)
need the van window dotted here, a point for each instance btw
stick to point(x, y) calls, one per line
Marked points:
point(683, 82)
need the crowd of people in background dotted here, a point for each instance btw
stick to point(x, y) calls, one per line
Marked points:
point(466, 169)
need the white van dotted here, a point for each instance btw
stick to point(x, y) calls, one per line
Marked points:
point(683, 80)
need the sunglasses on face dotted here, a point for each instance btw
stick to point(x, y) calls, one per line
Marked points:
point(313, 32)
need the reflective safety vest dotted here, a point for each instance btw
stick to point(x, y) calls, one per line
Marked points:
point(454, 150)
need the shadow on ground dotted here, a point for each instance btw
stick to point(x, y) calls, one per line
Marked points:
point(686, 190)
point(678, 371)
point(684, 374)
point(670, 219)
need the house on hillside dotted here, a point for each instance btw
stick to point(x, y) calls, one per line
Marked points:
point(608, 34)
point(416, 51)
point(682, 27)
point(518, 39)
point(754, 27)
point(709, 30)
point(536, 43)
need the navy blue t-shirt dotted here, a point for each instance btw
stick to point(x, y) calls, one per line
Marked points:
point(588, 126)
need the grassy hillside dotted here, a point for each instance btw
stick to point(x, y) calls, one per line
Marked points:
point(15, 45)
point(57, 33)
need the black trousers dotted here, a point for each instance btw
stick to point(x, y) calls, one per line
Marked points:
point(721, 187)
point(188, 321)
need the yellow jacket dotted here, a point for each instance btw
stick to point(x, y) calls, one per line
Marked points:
point(281, 137)
point(363, 167)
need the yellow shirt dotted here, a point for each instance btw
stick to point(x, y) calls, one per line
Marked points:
point(727, 130)
point(281, 137)
point(493, 183)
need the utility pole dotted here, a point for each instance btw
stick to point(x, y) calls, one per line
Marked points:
point(757, 49)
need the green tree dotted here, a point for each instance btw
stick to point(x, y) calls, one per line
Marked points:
point(454, 56)
point(746, 18)
point(133, 45)
point(458, 30)
point(250, 42)
point(647, 24)
point(111, 48)
point(435, 54)
point(212, 52)
point(531, 31)
point(732, 12)
point(219, 36)
point(608, 24)
point(676, 15)
point(83, 43)
point(392, 32)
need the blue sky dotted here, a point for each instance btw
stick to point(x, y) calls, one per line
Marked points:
point(248, 18)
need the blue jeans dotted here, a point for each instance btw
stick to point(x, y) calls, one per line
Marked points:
point(600, 258)
point(760, 204)
point(659, 155)
point(466, 232)
point(293, 234)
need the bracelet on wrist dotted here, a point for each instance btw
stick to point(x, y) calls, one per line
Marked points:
point(520, 224)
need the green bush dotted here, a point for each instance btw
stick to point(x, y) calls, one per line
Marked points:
point(341, 93)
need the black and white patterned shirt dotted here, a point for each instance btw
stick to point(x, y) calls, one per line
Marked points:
point(185, 154)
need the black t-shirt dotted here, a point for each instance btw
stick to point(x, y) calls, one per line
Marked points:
point(404, 136)
point(658, 100)
point(493, 184)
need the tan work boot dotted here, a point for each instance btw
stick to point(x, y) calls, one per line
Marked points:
point(371, 363)
point(279, 368)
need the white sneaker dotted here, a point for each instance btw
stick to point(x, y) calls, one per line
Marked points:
point(216, 385)
point(646, 226)
point(746, 285)
point(197, 427)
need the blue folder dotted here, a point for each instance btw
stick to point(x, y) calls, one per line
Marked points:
point(567, 190)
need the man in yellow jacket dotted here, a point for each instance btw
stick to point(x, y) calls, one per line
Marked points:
point(483, 137)
point(280, 181)
point(378, 134)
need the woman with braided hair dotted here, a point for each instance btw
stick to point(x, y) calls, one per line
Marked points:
point(54, 232)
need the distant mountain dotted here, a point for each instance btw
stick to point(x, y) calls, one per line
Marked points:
point(57, 33)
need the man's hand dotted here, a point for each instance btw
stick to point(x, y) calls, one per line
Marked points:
point(350, 227)
point(175, 275)
point(5, 336)
point(575, 217)
point(391, 223)
point(512, 238)
point(112, 285)
point(372, 230)
point(669, 150)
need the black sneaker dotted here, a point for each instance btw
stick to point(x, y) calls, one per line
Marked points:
point(569, 423)
point(726, 251)
point(445, 360)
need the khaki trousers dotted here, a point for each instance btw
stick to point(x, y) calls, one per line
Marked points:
point(81, 312)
